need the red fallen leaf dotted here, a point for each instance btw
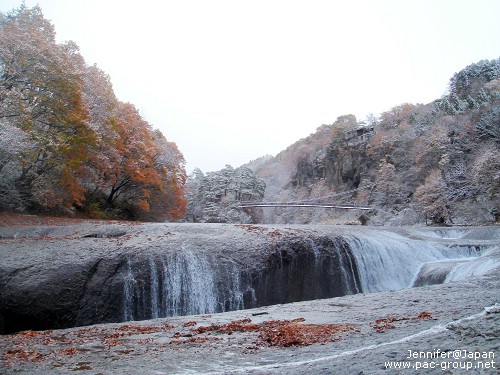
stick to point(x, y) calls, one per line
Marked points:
point(236, 325)
point(289, 333)
point(135, 329)
point(31, 333)
point(425, 315)
point(49, 341)
point(22, 355)
point(67, 351)
point(145, 341)
point(195, 340)
point(283, 333)
point(251, 228)
point(115, 335)
point(112, 342)
point(275, 233)
point(381, 325)
point(189, 324)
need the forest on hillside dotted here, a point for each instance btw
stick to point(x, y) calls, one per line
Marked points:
point(67, 144)
point(437, 163)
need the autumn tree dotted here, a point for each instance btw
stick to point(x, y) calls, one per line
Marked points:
point(40, 92)
point(168, 198)
point(66, 141)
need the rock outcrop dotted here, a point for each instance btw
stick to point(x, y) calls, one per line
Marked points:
point(76, 275)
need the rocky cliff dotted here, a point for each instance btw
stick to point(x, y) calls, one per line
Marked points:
point(416, 163)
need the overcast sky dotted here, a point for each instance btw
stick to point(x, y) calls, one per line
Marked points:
point(230, 81)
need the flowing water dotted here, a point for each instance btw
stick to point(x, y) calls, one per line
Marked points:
point(388, 261)
point(186, 281)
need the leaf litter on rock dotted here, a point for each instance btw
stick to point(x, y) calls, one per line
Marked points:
point(281, 333)
point(273, 333)
point(382, 325)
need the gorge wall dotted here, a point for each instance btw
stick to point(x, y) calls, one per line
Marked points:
point(414, 163)
point(57, 277)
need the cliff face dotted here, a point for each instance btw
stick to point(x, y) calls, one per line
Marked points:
point(436, 163)
point(56, 277)
point(321, 167)
point(216, 196)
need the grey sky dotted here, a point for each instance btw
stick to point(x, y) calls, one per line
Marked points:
point(230, 81)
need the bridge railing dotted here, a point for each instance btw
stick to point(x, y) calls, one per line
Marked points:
point(304, 205)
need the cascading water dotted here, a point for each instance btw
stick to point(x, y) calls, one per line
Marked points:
point(349, 271)
point(128, 291)
point(174, 284)
point(186, 282)
point(476, 267)
point(163, 270)
point(388, 261)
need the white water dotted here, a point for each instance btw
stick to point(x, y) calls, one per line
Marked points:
point(155, 304)
point(184, 282)
point(188, 284)
point(387, 261)
point(475, 267)
point(175, 284)
point(128, 290)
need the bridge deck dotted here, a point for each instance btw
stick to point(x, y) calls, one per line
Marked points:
point(317, 205)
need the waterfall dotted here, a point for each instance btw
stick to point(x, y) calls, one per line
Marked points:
point(186, 282)
point(349, 273)
point(189, 286)
point(128, 291)
point(155, 290)
point(181, 283)
point(388, 261)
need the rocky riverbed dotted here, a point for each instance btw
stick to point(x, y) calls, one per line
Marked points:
point(357, 334)
point(73, 275)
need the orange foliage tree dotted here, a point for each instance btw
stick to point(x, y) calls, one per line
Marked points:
point(136, 168)
point(73, 144)
point(40, 94)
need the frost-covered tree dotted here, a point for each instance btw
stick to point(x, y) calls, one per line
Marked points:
point(432, 198)
point(468, 88)
point(194, 196)
point(13, 143)
point(40, 94)
point(488, 125)
point(389, 190)
point(486, 177)
point(472, 78)
point(216, 196)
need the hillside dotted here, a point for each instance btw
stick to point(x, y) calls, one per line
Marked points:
point(436, 163)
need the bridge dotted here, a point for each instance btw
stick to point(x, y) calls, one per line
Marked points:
point(316, 202)
point(304, 205)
